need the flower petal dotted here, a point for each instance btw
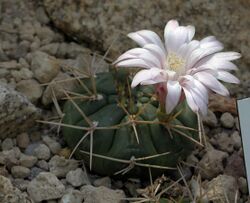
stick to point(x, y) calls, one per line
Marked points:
point(227, 56)
point(202, 52)
point(216, 64)
point(141, 53)
point(186, 49)
point(150, 58)
point(190, 100)
point(130, 54)
point(172, 75)
point(212, 83)
point(175, 39)
point(190, 82)
point(134, 63)
point(195, 97)
point(170, 27)
point(202, 106)
point(173, 95)
point(191, 32)
point(227, 77)
point(144, 37)
point(157, 51)
point(148, 76)
point(208, 39)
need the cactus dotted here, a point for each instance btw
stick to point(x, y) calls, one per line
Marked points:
point(122, 129)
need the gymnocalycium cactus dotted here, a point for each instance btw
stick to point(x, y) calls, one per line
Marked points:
point(126, 127)
point(118, 129)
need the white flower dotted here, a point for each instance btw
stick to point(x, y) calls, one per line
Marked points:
point(181, 65)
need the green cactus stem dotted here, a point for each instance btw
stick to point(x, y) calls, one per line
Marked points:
point(123, 132)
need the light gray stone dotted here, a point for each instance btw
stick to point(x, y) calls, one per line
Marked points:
point(34, 172)
point(41, 15)
point(243, 185)
point(9, 65)
point(236, 139)
point(50, 49)
point(43, 165)
point(22, 74)
point(7, 144)
point(227, 120)
point(77, 177)
point(31, 147)
point(45, 186)
point(10, 194)
point(71, 50)
point(223, 142)
point(3, 72)
point(27, 160)
point(53, 145)
point(60, 166)
point(222, 188)
point(17, 113)
point(44, 67)
point(20, 172)
point(102, 195)
point(42, 152)
point(72, 196)
point(211, 163)
point(31, 89)
point(210, 119)
point(10, 157)
point(21, 184)
point(105, 181)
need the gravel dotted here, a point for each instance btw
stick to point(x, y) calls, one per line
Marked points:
point(42, 152)
point(77, 178)
point(45, 186)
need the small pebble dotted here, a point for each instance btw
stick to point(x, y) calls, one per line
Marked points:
point(236, 139)
point(60, 166)
point(7, 144)
point(34, 172)
point(42, 152)
point(21, 184)
point(210, 119)
point(77, 178)
point(72, 196)
point(105, 181)
point(23, 140)
point(53, 145)
point(43, 165)
point(27, 160)
point(242, 182)
point(227, 120)
point(20, 172)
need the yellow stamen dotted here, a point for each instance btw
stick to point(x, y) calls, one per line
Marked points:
point(175, 63)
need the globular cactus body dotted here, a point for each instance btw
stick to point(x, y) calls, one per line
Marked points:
point(108, 110)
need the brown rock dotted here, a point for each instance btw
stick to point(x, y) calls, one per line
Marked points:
point(222, 104)
point(23, 140)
